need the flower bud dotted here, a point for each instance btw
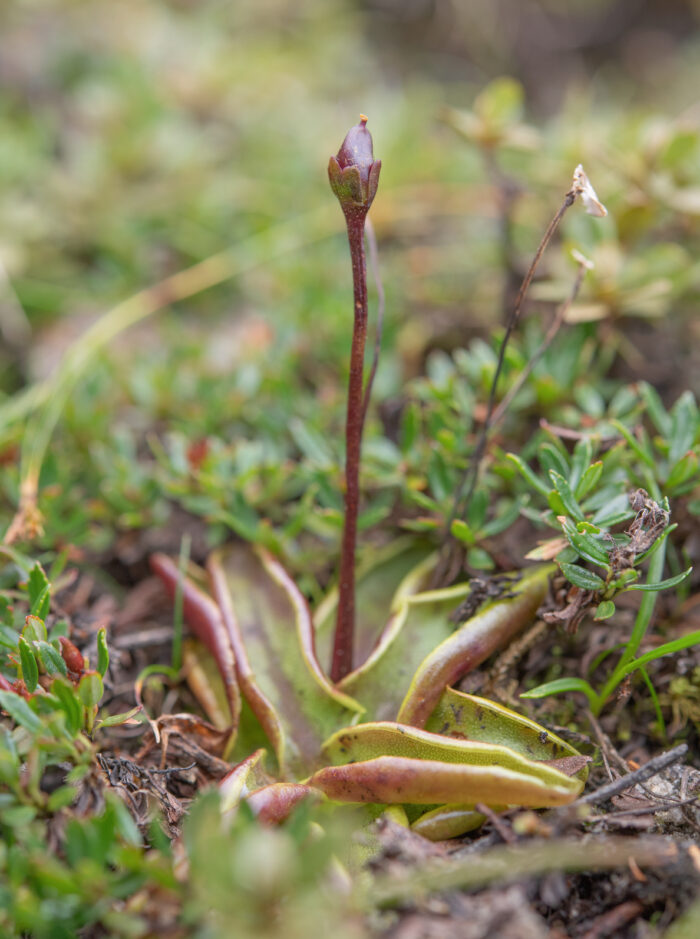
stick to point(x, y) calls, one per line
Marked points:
point(353, 172)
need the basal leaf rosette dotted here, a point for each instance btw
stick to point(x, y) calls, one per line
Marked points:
point(393, 732)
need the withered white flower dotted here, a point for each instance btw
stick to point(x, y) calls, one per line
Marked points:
point(582, 187)
point(582, 259)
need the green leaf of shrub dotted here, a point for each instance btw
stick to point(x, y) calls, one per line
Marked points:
point(662, 584)
point(90, 689)
point(34, 629)
point(51, 659)
point(462, 532)
point(605, 610)
point(535, 482)
point(581, 577)
point(39, 591)
point(67, 696)
point(27, 660)
point(20, 711)
point(567, 497)
point(589, 479)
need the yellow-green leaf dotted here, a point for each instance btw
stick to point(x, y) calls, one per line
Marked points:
point(386, 738)
point(270, 628)
point(469, 717)
point(496, 623)
point(379, 585)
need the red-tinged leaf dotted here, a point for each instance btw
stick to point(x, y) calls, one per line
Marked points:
point(370, 741)
point(491, 628)
point(270, 629)
point(392, 779)
point(237, 782)
point(469, 717)
point(204, 679)
point(381, 580)
point(204, 619)
point(274, 803)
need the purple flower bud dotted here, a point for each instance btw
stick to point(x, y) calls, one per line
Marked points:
point(353, 172)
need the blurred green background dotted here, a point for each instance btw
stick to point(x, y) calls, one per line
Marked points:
point(140, 137)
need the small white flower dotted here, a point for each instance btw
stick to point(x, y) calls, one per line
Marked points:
point(582, 187)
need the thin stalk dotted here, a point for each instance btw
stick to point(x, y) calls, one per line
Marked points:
point(554, 327)
point(341, 662)
point(467, 483)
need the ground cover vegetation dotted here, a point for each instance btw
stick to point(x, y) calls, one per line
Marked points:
point(314, 587)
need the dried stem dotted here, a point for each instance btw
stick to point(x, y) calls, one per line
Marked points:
point(554, 327)
point(467, 483)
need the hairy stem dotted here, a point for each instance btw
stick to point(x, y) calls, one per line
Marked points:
point(341, 662)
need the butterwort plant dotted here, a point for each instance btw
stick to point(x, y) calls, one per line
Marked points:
point(385, 726)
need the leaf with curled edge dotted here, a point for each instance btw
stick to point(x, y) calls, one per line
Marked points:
point(469, 717)
point(237, 783)
point(269, 626)
point(204, 619)
point(492, 627)
point(421, 650)
point(380, 583)
point(274, 803)
point(271, 802)
point(397, 779)
point(419, 623)
point(388, 738)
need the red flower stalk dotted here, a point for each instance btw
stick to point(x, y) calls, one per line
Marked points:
point(354, 175)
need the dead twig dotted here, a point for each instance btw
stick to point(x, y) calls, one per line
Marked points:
point(652, 768)
point(498, 823)
point(554, 327)
point(613, 920)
